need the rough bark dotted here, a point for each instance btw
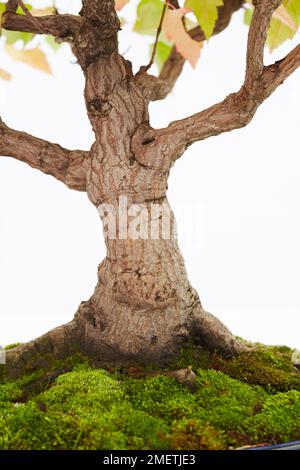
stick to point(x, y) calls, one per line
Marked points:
point(60, 26)
point(68, 166)
point(59, 343)
point(143, 306)
point(237, 109)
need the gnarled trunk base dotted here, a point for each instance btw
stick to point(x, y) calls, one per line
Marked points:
point(83, 336)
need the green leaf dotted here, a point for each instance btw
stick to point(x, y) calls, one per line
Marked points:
point(13, 36)
point(2, 10)
point(19, 9)
point(293, 8)
point(21, 12)
point(148, 17)
point(206, 12)
point(248, 16)
point(162, 52)
point(52, 43)
point(278, 33)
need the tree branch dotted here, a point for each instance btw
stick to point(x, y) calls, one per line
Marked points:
point(12, 5)
point(147, 67)
point(237, 109)
point(159, 87)
point(29, 15)
point(60, 26)
point(68, 166)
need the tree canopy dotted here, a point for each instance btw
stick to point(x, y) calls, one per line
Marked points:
point(174, 28)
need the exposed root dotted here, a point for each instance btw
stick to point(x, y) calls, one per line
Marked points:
point(79, 336)
point(214, 335)
point(40, 353)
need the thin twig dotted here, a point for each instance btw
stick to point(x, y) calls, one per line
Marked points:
point(147, 67)
point(30, 16)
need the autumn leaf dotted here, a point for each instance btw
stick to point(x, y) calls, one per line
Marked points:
point(43, 11)
point(283, 25)
point(33, 57)
point(119, 4)
point(174, 30)
point(206, 12)
point(5, 75)
point(288, 13)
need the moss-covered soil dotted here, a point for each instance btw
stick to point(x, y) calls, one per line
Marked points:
point(252, 399)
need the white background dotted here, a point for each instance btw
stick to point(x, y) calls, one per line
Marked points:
point(236, 197)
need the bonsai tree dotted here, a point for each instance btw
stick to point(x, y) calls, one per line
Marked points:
point(143, 306)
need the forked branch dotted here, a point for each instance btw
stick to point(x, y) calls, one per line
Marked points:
point(237, 109)
point(68, 166)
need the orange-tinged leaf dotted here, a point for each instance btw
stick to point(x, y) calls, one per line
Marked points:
point(119, 4)
point(33, 57)
point(5, 75)
point(43, 11)
point(282, 15)
point(174, 30)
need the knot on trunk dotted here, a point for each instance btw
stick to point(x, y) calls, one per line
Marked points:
point(155, 148)
point(98, 34)
point(101, 11)
point(144, 290)
point(98, 107)
point(92, 43)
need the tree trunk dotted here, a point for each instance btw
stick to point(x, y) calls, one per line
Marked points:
point(143, 302)
point(143, 307)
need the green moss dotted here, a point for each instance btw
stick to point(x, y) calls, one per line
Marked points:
point(270, 367)
point(250, 399)
point(279, 418)
point(12, 346)
point(27, 427)
point(10, 392)
point(194, 434)
point(84, 392)
point(272, 370)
